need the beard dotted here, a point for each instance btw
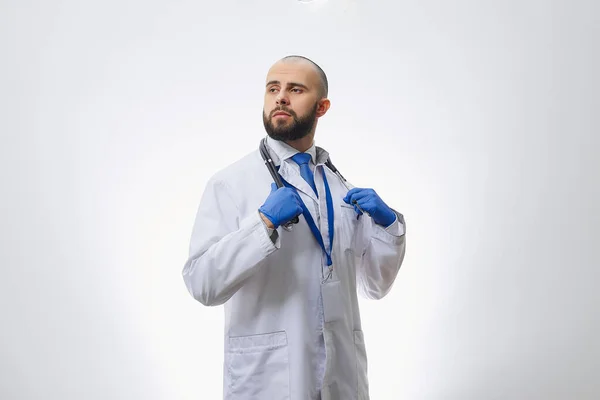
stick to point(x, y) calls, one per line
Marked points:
point(297, 129)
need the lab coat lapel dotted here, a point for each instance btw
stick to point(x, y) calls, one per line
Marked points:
point(294, 178)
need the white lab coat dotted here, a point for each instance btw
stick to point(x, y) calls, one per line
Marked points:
point(273, 323)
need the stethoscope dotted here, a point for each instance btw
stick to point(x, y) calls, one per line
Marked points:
point(264, 152)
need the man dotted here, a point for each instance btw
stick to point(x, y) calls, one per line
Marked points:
point(292, 321)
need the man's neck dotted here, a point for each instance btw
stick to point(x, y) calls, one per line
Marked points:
point(302, 144)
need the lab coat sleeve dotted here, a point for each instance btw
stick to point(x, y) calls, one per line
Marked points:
point(382, 256)
point(224, 250)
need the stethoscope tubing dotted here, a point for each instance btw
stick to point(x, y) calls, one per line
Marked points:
point(271, 167)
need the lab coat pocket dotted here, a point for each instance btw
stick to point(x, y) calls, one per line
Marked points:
point(258, 367)
point(362, 384)
point(348, 224)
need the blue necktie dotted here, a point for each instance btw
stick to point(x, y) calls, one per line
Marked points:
point(302, 160)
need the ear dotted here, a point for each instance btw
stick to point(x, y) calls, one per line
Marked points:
point(322, 107)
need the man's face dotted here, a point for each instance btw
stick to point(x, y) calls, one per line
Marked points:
point(291, 101)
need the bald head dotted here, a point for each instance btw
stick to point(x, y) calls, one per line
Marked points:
point(323, 84)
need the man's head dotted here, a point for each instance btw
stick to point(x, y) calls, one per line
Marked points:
point(295, 97)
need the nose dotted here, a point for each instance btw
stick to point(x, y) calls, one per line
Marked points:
point(282, 99)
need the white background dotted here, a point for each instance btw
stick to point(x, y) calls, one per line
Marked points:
point(476, 119)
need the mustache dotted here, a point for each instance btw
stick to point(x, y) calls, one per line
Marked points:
point(284, 109)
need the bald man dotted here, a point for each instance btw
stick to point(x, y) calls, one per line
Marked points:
point(290, 290)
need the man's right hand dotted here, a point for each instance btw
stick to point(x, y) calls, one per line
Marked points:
point(282, 205)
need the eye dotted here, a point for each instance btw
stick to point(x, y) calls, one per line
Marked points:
point(297, 90)
point(272, 89)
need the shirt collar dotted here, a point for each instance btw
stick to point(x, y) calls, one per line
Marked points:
point(284, 151)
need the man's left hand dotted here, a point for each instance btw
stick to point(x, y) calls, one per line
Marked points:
point(370, 202)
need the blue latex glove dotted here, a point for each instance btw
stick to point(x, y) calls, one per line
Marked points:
point(371, 203)
point(282, 205)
